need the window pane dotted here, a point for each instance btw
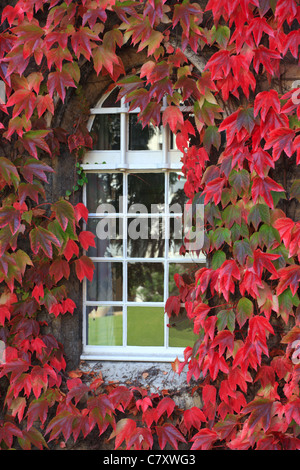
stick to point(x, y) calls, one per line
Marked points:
point(145, 326)
point(108, 239)
point(181, 332)
point(145, 189)
point(181, 328)
point(104, 192)
point(146, 238)
point(173, 145)
point(176, 236)
point(147, 138)
point(186, 270)
point(145, 282)
point(105, 132)
point(105, 325)
point(107, 283)
point(177, 197)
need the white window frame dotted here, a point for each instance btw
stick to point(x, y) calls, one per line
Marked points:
point(125, 161)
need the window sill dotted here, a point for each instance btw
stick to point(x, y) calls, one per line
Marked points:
point(133, 353)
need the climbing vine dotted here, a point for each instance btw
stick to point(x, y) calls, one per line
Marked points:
point(239, 145)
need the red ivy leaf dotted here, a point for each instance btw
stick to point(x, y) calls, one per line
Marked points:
point(172, 305)
point(193, 418)
point(71, 249)
point(58, 81)
point(204, 439)
point(288, 277)
point(11, 217)
point(264, 101)
point(38, 409)
point(84, 267)
point(81, 212)
point(40, 238)
point(86, 239)
point(167, 433)
point(64, 213)
point(59, 269)
point(172, 116)
point(33, 167)
point(124, 429)
point(262, 187)
point(280, 140)
point(224, 339)
point(33, 139)
point(264, 260)
point(165, 405)
point(261, 410)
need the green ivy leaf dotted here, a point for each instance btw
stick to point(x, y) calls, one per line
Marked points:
point(241, 249)
point(239, 180)
point(226, 318)
point(218, 259)
point(259, 213)
point(219, 236)
point(244, 311)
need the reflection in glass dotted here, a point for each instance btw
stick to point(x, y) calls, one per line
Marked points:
point(146, 189)
point(173, 145)
point(105, 132)
point(176, 238)
point(185, 270)
point(145, 282)
point(112, 245)
point(103, 189)
point(145, 326)
point(181, 332)
point(147, 138)
point(105, 325)
point(107, 283)
point(176, 192)
point(146, 238)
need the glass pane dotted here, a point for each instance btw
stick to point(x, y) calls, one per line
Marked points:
point(181, 332)
point(177, 197)
point(105, 132)
point(145, 326)
point(107, 283)
point(186, 270)
point(108, 239)
point(104, 192)
point(145, 189)
point(173, 145)
point(176, 236)
point(147, 138)
point(145, 282)
point(105, 325)
point(146, 238)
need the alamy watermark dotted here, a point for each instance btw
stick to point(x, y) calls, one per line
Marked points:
point(2, 352)
point(296, 94)
point(188, 224)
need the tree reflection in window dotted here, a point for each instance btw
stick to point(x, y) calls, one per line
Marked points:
point(147, 138)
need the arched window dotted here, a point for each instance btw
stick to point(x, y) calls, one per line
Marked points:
point(136, 200)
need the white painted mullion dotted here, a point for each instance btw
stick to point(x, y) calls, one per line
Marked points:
point(125, 267)
point(166, 267)
point(95, 111)
point(84, 283)
point(123, 134)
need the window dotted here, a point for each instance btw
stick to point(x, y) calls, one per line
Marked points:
point(135, 199)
